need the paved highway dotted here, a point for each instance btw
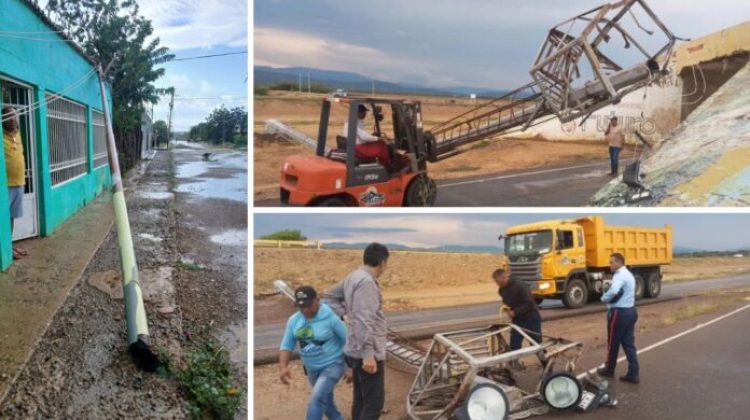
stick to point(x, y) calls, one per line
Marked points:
point(268, 336)
point(569, 186)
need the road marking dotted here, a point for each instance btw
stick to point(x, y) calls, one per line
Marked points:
point(501, 177)
point(672, 338)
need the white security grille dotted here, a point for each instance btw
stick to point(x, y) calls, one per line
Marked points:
point(101, 157)
point(66, 128)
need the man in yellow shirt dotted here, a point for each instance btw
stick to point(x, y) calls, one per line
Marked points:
point(616, 139)
point(15, 166)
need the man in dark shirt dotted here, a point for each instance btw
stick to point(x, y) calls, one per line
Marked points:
point(521, 308)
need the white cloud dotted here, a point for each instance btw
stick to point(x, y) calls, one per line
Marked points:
point(186, 24)
point(422, 231)
point(284, 48)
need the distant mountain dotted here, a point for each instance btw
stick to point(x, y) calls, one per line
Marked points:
point(265, 76)
point(677, 250)
point(479, 249)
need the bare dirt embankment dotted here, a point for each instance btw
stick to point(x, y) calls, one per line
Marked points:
point(485, 157)
point(417, 280)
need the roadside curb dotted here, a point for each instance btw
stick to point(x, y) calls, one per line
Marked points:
point(264, 356)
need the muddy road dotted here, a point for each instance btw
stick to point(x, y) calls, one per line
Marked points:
point(193, 265)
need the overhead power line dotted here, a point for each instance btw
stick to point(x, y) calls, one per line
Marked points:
point(199, 57)
point(227, 98)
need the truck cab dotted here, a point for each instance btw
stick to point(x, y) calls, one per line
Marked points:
point(568, 259)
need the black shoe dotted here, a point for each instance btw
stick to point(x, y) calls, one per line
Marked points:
point(605, 372)
point(631, 379)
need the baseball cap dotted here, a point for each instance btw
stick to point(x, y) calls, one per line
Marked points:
point(361, 108)
point(304, 296)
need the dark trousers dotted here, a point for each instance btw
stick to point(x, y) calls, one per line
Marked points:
point(614, 158)
point(369, 390)
point(621, 332)
point(532, 323)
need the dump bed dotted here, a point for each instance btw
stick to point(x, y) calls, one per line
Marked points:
point(641, 246)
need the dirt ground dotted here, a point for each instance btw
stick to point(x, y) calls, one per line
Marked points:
point(486, 157)
point(81, 368)
point(273, 400)
point(416, 280)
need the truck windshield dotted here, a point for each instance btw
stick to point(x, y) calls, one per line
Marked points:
point(529, 243)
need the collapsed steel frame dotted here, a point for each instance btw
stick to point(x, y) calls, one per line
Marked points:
point(555, 73)
point(457, 361)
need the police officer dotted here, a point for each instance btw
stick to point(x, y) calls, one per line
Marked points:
point(621, 319)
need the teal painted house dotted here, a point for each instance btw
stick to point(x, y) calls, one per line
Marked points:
point(55, 89)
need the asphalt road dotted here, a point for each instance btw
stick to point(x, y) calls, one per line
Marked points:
point(268, 336)
point(568, 186)
point(701, 375)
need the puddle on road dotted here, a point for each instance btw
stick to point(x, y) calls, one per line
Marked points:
point(231, 237)
point(155, 195)
point(232, 188)
point(150, 237)
point(235, 341)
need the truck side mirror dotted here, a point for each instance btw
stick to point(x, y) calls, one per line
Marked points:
point(500, 238)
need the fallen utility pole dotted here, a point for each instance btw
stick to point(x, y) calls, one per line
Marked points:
point(135, 312)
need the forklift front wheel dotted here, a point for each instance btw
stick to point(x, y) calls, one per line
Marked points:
point(421, 192)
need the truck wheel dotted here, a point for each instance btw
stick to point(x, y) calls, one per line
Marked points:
point(576, 294)
point(639, 286)
point(421, 192)
point(332, 202)
point(653, 286)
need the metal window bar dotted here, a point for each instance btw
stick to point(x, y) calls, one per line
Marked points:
point(67, 138)
point(101, 156)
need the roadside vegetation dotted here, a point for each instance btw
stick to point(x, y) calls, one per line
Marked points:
point(207, 380)
point(222, 126)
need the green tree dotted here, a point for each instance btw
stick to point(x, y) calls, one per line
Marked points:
point(113, 31)
point(286, 235)
point(221, 126)
point(161, 133)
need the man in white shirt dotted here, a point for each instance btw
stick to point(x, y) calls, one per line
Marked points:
point(368, 145)
point(621, 319)
point(616, 139)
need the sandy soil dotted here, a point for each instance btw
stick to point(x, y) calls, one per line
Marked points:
point(273, 400)
point(417, 280)
point(490, 156)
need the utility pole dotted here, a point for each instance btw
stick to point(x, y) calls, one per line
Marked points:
point(308, 81)
point(299, 83)
point(135, 312)
point(169, 123)
point(373, 87)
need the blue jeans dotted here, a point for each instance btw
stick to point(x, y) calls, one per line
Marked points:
point(323, 382)
point(614, 158)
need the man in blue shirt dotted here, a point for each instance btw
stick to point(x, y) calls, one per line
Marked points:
point(321, 336)
point(621, 319)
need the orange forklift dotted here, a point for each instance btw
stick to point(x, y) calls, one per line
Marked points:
point(337, 177)
point(559, 89)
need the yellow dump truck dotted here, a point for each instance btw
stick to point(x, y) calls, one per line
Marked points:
point(569, 259)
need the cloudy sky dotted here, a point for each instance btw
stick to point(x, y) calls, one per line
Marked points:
point(483, 43)
point(192, 28)
point(702, 231)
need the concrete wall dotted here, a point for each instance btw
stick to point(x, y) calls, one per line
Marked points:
point(47, 63)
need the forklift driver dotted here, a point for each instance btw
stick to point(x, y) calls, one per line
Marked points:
point(368, 145)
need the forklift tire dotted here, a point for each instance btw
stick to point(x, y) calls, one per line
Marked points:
point(538, 300)
point(421, 192)
point(332, 202)
point(576, 294)
point(653, 286)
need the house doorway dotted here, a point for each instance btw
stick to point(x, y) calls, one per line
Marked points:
point(20, 97)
